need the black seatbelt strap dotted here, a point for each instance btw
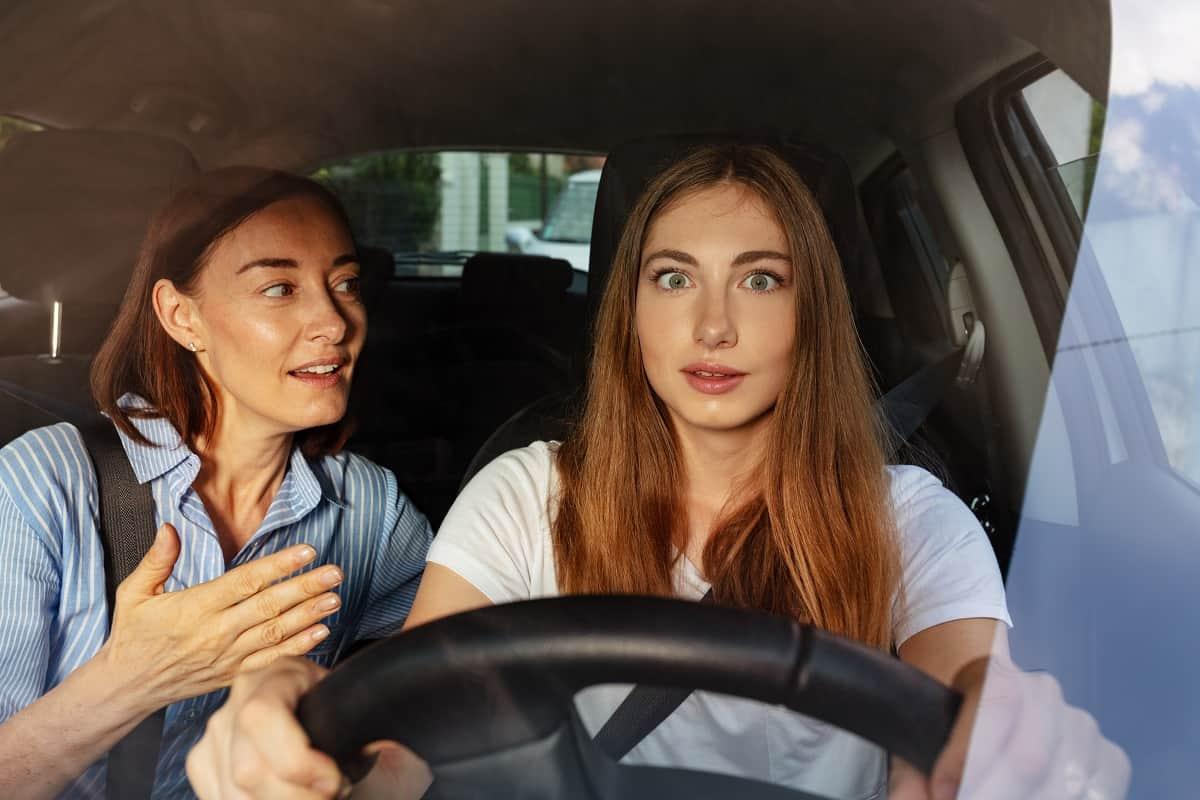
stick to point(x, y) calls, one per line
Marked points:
point(126, 531)
point(911, 401)
point(642, 710)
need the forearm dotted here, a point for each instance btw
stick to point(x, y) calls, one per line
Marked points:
point(53, 740)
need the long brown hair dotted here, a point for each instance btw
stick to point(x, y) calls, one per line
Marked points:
point(139, 357)
point(811, 535)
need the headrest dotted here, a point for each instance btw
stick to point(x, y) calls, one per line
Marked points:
point(631, 166)
point(75, 207)
point(378, 267)
point(504, 278)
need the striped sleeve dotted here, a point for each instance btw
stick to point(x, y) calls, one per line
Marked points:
point(29, 589)
point(399, 564)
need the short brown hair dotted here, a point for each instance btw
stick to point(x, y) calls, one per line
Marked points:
point(139, 357)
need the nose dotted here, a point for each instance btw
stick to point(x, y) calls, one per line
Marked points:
point(326, 320)
point(714, 326)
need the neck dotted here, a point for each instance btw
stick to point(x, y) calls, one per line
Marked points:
point(715, 465)
point(241, 469)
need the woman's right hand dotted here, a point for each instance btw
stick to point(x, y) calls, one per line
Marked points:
point(255, 748)
point(172, 645)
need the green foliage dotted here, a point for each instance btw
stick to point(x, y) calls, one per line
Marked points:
point(392, 198)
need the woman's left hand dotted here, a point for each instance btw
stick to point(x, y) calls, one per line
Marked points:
point(1016, 737)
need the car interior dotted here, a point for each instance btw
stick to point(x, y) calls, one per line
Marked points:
point(887, 109)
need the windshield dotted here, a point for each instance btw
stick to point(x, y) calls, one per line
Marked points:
point(1103, 584)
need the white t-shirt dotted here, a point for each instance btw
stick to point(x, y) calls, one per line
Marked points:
point(497, 537)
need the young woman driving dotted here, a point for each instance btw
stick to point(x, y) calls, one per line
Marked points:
point(727, 440)
point(226, 373)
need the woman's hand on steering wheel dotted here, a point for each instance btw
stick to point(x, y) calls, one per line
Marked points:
point(1017, 737)
point(254, 747)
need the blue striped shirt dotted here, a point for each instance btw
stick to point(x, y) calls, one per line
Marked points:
point(53, 609)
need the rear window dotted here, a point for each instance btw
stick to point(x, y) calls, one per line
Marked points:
point(433, 210)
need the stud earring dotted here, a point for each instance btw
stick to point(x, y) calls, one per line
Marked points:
point(192, 346)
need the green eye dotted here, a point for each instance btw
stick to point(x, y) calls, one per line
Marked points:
point(761, 282)
point(673, 281)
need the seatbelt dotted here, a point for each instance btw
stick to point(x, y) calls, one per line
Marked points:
point(642, 710)
point(126, 532)
point(905, 407)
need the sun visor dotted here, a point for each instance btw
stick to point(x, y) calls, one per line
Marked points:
point(74, 206)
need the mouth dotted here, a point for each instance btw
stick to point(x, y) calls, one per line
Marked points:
point(712, 378)
point(324, 373)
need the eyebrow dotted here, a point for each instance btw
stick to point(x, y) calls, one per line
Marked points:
point(290, 263)
point(748, 257)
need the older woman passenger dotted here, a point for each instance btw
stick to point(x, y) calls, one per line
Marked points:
point(227, 374)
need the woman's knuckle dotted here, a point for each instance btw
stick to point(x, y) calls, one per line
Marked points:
point(245, 582)
point(272, 632)
point(266, 605)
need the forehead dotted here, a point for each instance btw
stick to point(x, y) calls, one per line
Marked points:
point(301, 228)
point(726, 211)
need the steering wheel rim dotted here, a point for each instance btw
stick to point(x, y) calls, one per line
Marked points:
point(483, 695)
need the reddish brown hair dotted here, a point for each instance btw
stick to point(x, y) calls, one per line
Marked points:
point(139, 357)
point(811, 535)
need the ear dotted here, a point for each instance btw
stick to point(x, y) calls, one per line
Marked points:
point(178, 315)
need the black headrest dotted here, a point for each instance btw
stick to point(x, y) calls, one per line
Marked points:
point(631, 166)
point(378, 267)
point(492, 278)
point(75, 206)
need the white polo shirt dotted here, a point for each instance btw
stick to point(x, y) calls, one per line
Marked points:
point(497, 537)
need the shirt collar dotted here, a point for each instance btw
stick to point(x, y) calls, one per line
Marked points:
point(301, 487)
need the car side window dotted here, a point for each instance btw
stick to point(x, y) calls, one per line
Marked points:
point(1144, 212)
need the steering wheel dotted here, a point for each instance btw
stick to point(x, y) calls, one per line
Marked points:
point(486, 697)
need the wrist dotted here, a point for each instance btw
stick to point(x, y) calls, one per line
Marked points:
point(119, 686)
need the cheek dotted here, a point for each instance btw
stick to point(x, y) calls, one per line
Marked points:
point(653, 323)
point(772, 334)
point(244, 335)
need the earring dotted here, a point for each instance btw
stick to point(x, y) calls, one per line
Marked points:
point(192, 346)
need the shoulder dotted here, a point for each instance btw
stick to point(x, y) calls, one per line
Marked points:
point(917, 494)
point(934, 525)
point(46, 474)
point(511, 494)
point(526, 473)
point(949, 568)
point(355, 475)
point(44, 457)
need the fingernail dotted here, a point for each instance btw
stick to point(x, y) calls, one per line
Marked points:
point(331, 576)
point(329, 603)
point(305, 554)
point(320, 633)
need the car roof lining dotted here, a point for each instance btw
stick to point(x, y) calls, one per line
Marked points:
point(288, 84)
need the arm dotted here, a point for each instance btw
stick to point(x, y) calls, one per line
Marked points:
point(49, 743)
point(399, 562)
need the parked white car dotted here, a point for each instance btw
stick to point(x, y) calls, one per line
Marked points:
point(567, 232)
